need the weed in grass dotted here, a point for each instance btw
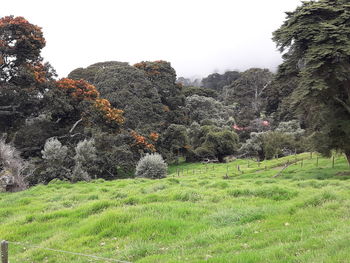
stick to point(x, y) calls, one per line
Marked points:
point(234, 216)
point(320, 199)
point(131, 201)
point(190, 196)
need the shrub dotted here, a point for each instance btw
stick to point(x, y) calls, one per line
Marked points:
point(12, 166)
point(54, 151)
point(55, 163)
point(85, 156)
point(151, 166)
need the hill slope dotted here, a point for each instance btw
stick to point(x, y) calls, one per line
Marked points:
point(199, 216)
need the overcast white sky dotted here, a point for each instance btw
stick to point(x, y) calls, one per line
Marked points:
point(198, 37)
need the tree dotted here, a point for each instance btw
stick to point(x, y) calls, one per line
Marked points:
point(186, 82)
point(23, 76)
point(316, 39)
point(218, 81)
point(73, 101)
point(128, 88)
point(163, 76)
point(201, 108)
point(174, 141)
point(190, 91)
point(89, 73)
point(20, 45)
point(220, 144)
point(248, 93)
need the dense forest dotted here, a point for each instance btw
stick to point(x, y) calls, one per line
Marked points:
point(100, 120)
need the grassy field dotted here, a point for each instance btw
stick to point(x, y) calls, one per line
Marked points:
point(200, 213)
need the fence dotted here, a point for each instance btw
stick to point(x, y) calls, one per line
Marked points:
point(249, 166)
point(5, 252)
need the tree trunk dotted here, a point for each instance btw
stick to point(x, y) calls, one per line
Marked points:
point(347, 154)
point(220, 158)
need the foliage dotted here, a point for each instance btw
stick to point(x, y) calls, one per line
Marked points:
point(128, 88)
point(56, 162)
point(248, 94)
point(316, 39)
point(220, 144)
point(141, 142)
point(174, 141)
point(20, 46)
point(116, 155)
point(23, 76)
point(218, 81)
point(288, 138)
point(84, 99)
point(163, 76)
point(151, 166)
point(186, 82)
point(89, 73)
point(12, 168)
point(201, 108)
point(85, 157)
point(205, 92)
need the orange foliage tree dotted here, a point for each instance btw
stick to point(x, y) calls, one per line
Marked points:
point(80, 90)
point(20, 46)
point(142, 142)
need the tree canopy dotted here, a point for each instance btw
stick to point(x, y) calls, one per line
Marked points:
point(316, 41)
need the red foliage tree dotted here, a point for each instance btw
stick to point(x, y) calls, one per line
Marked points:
point(20, 46)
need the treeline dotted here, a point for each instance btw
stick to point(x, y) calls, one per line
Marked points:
point(100, 120)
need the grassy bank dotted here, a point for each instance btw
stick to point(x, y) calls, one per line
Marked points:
point(209, 213)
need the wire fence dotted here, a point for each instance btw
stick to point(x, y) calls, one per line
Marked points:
point(253, 166)
point(5, 252)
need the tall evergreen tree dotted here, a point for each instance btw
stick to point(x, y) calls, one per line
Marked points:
point(316, 41)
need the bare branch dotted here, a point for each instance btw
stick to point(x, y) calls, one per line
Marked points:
point(75, 125)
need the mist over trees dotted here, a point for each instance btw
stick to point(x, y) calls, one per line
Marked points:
point(101, 120)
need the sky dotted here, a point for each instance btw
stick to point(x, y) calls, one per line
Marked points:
point(198, 37)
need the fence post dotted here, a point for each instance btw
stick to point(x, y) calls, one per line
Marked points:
point(4, 251)
point(333, 161)
point(317, 161)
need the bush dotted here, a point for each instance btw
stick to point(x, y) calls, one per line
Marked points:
point(55, 161)
point(151, 166)
point(12, 169)
point(85, 157)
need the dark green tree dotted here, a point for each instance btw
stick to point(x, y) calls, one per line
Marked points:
point(218, 81)
point(316, 40)
point(129, 89)
point(89, 73)
point(248, 94)
point(220, 144)
point(190, 91)
point(174, 141)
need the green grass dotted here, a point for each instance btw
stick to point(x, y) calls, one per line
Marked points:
point(201, 216)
